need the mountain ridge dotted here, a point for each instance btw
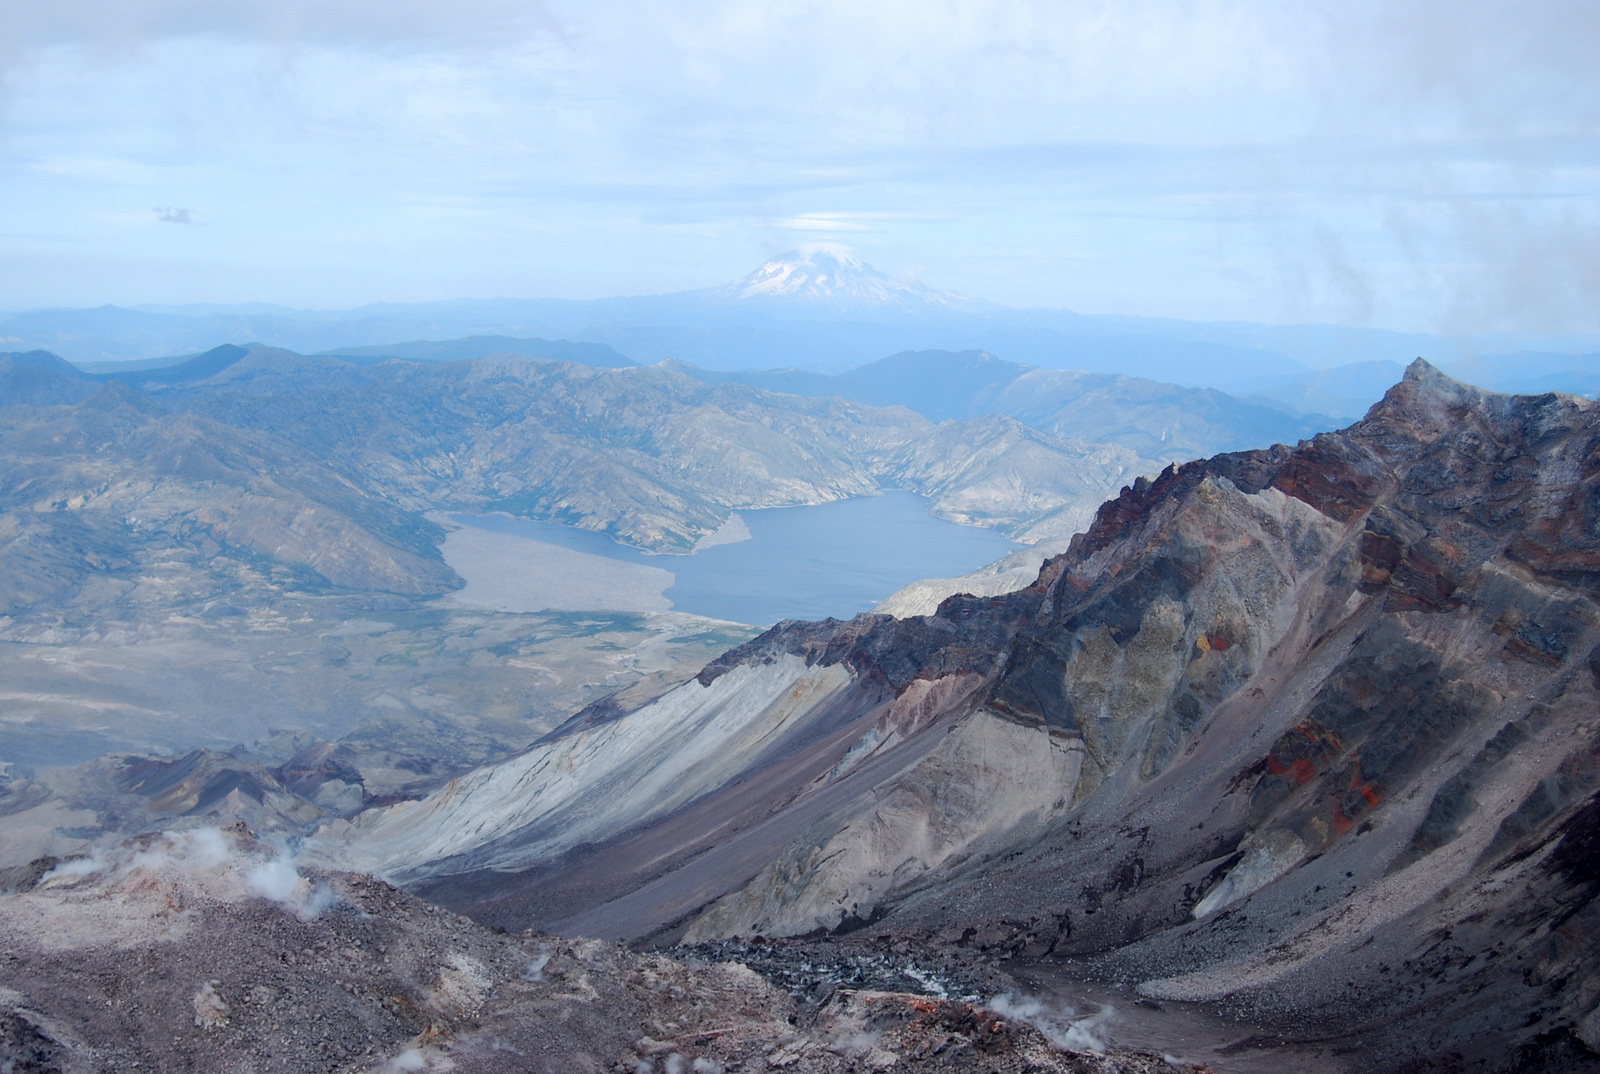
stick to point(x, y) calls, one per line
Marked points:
point(815, 326)
point(1167, 422)
point(1225, 746)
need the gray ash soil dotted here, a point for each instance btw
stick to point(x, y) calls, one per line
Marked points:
point(814, 970)
point(1207, 1034)
point(169, 957)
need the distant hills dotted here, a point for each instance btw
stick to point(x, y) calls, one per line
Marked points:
point(255, 469)
point(1159, 421)
point(454, 350)
point(116, 493)
point(259, 467)
point(817, 309)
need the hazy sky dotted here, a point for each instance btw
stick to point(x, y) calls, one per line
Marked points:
point(1431, 165)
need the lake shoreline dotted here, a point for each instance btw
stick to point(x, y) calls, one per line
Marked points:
point(800, 562)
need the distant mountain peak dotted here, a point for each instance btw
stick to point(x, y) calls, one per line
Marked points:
point(827, 274)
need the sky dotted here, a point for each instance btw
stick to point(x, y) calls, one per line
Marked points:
point(1414, 164)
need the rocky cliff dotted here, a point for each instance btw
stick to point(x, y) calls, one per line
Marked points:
point(1309, 730)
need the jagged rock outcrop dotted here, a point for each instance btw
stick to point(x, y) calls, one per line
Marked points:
point(1007, 575)
point(1309, 729)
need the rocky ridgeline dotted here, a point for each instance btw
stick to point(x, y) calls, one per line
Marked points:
point(1310, 732)
point(1336, 706)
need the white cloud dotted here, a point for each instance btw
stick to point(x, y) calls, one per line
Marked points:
point(411, 24)
point(826, 222)
point(1348, 162)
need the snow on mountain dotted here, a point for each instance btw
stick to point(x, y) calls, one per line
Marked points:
point(825, 274)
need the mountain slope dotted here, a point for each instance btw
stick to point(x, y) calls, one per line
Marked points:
point(937, 384)
point(1307, 730)
point(648, 455)
point(654, 459)
point(114, 494)
point(993, 471)
point(39, 378)
point(1158, 421)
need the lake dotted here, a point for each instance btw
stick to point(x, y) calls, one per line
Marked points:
point(834, 559)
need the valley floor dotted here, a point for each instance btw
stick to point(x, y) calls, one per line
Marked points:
point(407, 694)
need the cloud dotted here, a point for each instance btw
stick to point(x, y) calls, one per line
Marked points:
point(173, 216)
point(1395, 162)
point(373, 24)
point(824, 222)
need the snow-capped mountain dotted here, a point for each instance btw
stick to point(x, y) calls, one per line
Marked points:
point(828, 275)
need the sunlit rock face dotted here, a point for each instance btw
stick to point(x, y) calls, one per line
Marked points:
point(988, 782)
point(1309, 729)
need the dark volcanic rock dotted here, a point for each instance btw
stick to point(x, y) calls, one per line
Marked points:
point(883, 649)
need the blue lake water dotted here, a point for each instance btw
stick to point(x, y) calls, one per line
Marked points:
point(834, 559)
